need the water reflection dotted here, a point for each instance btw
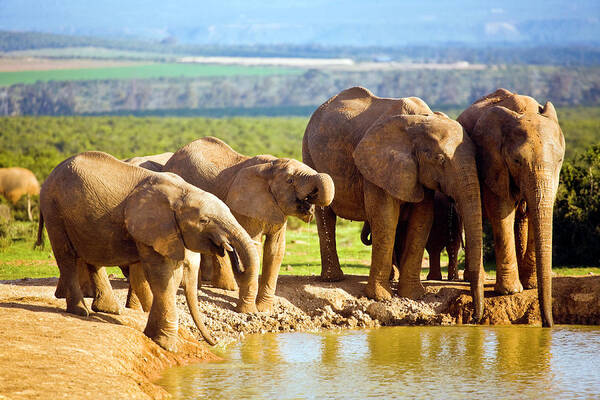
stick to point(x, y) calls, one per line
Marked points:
point(448, 362)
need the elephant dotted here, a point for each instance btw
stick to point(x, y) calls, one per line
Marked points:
point(16, 182)
point(446, 232)
point(262, 191)
point(386, 157)
point(100, 211)
point(153, 163)
point(520, 150)
point(142, 298)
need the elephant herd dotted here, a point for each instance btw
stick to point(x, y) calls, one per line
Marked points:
point(387, 162)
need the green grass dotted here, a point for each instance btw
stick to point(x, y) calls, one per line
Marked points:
point(158, 70)
point(302, 257)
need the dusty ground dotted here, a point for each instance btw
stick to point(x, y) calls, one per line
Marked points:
point(46, 353)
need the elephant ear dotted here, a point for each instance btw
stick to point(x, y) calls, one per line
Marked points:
point(549, 111)
point(150, 219)
point(250, 195)
point(385, 157)
point(489, 135)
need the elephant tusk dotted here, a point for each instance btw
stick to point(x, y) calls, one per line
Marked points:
point(227, 247)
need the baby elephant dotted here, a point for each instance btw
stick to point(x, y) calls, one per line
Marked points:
point(100, 211)
point(446, 232)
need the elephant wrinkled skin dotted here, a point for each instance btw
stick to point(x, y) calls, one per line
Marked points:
point(386, 157)
point(520, 149)
point(100, 211)
point(262, 191)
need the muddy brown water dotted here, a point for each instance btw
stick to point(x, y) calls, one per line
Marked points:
point(402, 362)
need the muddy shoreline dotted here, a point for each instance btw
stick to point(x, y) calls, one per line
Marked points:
point(47, 353)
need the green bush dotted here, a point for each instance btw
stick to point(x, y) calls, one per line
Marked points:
point(577, 211)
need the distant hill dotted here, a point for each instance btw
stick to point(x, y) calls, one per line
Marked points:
point(299, 22)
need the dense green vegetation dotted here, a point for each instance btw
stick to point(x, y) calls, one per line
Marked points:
point(40, 143)
point(159, 70)
point(577, 211)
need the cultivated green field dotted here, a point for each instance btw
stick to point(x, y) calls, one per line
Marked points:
point(158, 70)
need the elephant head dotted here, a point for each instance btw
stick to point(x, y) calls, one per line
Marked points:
point(405, 154)
point(170, 215)
point(273, 188)
point(521, 157)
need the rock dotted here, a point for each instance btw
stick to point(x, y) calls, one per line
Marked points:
point(380, 312)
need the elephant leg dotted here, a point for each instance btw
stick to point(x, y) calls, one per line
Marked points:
point(435, 268)
point(398, 248)
point(527, 266)
point(330, 263)
point(502, 217)
point(66, 258)
point(206, 269)
point(274, 250)
point(29, 207)
point(419, 225)
point(452, 249)
point(222, 273)
point(104, 299)
point(164, 276)
point(382, 212)
point(139, 296)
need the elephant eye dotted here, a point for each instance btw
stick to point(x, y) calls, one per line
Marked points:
point(289, 181)
point(440, 159)
point(203, 220)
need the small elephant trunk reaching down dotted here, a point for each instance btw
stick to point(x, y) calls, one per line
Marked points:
point(190, 283)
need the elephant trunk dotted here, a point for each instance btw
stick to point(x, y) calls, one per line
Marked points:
point(318, 188)
point(191, 267)
point(540, 201)
point(468, 203)
point(248, 257)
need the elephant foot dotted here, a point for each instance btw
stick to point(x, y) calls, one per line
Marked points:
point(225, 284)
point(78, 309)
point(106, 304)
point(60, 292)
point(453, 277)
point(378, 291)
point(529, 282)
point(503, 287)
point(246, 308)
point(434, 276)
point(332, 275)
point(265, 306)
point(412, 291)
point(168, 343)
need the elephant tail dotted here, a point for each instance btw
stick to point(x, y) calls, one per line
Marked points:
point(40, 235)
point(365, 234)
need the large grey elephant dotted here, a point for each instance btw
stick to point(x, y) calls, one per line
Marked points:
point(262, 191)
point(386, 157)
point(17, 182)
point(520, 149)
point(100, 211)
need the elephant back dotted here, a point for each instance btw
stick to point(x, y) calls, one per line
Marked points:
point(501, 97)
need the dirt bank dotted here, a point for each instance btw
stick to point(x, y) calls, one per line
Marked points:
point(46, 353)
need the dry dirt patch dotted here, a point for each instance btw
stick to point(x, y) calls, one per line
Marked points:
point(47, 353)
point(10, 64)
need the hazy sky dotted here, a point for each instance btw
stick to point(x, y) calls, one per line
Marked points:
point(386, 21)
